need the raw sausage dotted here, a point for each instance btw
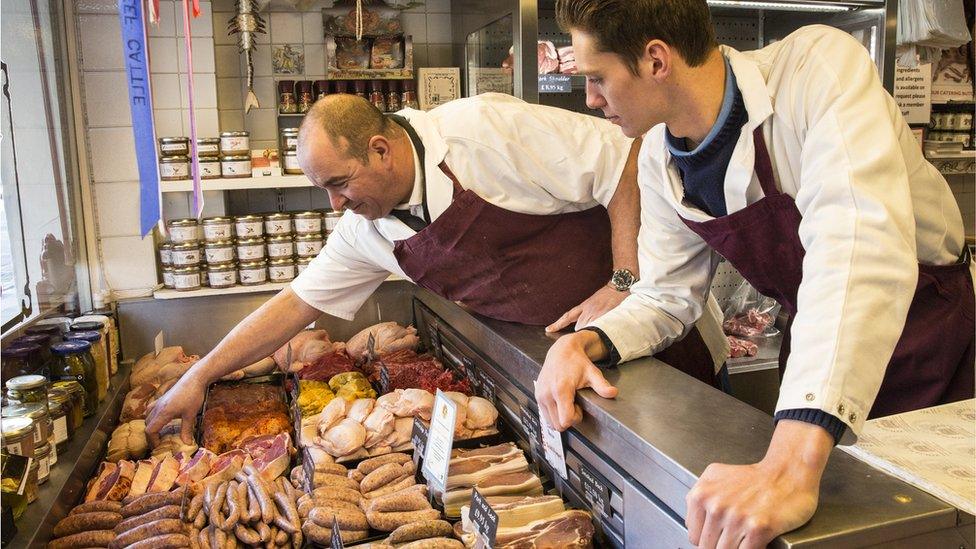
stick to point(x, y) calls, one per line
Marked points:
point(380, 477)
point(404, 482)
point(166, 541)
point(369, 465)
point(345, 494)
point(323, 535)
point(413, 498)
point(421, 530)
point(165, 512)
point(100, 505)
point(148, 502)
point(148, 530)
point(328, 479)
point(434, 543)
point(86, 522)
point(389, 522)
point(348, 520)
point(94, 538)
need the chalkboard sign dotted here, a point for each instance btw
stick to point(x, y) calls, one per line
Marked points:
point(487, 389)
point(384, 379)
point(595, 489)
point(336, 541)
point(530, 422)
point(419, 439)
point(484, 518)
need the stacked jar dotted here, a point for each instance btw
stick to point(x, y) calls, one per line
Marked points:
point(181, 256)
point(289, 152)
point(219, 271)
point(235, 154)
point(174, 158)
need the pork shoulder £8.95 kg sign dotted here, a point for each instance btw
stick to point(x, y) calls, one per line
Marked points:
point(440, 440)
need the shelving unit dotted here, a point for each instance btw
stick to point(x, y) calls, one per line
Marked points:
point(955, 163)
point(231, 184)
point(166, 293)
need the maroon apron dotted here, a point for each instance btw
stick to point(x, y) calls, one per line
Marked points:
point(521, 267)
point(933, 361)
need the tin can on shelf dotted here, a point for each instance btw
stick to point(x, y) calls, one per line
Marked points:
point(186, 278)
point(277, 224)
point(174, 146)
point(249, 226)
point(174, 168)
point(168, 281)
point(186, 255)
point(308, 223)
point(219, 251)
point(222, 275)
point(301, 264)
point(208, 147)
point(235, 166)
point(251, 273)
point(218, 228)
point(289, 138)
point(210, 167)
point(331, 220)
point(250, 249)
point(308, 245)
point(289, 163)
point(233, 143)
point(182, 231)
point(281, 246)
point(281, 270)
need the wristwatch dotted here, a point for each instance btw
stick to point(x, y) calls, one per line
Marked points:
point(622, 279)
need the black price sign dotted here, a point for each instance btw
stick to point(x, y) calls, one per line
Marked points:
point(469, 371)
point(595, 490)
point(336, 541)
point(384, 379)
point(485, 518)
point(419, 439)
point(533, 430)
point(487, 388)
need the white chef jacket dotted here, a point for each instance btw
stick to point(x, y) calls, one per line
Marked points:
point(872, 209)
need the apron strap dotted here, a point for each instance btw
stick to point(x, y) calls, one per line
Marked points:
point(419, 146)
point(458, 189)
point(764, 167)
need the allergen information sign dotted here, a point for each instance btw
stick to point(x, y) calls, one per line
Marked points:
point(440, 440)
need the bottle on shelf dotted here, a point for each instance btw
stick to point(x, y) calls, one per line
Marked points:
point(393, 96)
point(376, 95)
point(286, 97)
point(359, 88)
point(408, 100)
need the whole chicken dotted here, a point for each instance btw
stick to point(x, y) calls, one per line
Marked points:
point(387, 338)
point(481, 414)
point(414, 402)
point(343, 438)
point(360, 408)
point(163, 371)
point(128, 441)
point(333, 412)
point(306, 347)
point(378, 424)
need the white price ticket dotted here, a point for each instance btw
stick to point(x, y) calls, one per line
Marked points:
point(440, 440)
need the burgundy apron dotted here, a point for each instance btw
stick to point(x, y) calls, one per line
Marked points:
point(933, 361)
point(520, 267)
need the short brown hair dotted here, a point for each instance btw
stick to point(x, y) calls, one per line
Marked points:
point(624, 27)
point(350, 117)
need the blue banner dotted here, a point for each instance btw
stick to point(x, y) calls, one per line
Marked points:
point(140, 102)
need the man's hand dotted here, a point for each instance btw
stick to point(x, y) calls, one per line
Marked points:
point(568, 368)
point(594, 307)
point(749, 505)
point(182, 401)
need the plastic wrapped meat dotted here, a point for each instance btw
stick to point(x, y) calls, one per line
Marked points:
point(567, 60)
point(750, 324)
point(741, 348)
point(548, 58)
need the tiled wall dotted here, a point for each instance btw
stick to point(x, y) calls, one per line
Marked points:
point(964, 188)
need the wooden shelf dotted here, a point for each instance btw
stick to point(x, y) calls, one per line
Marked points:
point(231, 184)
point(166, 293)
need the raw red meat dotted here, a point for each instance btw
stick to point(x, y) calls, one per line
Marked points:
point(741, 348)
point(408, 370)
point(326, 366)
point(751, 324)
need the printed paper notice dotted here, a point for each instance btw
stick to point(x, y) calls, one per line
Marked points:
point(552, 445)
point(913, 93)
point(440, 440)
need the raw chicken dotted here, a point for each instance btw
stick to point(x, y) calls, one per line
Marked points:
point(333, 412)
point(160, 371)
point(306, 347)
point(481, 414)
point(344, 438)
point(128, 441)
point(402, 429)
point(378, 424)
point(360, 408)
point(414, 402)
point(136, 403)
point(388, 337)
point(390, 401)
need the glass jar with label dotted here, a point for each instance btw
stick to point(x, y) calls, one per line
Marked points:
point(220, 251)
point(289, 163)
point(308, 223)
point(174, 168)
point(18, 435)
point(43, 454)
point(100, 355)
point(222, 275)
point(74, 362)
point(331, 220)
point(235, 166)
point(281, 270)
point(408, 100)
point(208, 147)
point(105, 325)
point(251, 273)
point(286, 97)
point(233, 143)
point(280, 246)
point(166, 254)
point(59, 406)
point(21, 360)
point(277, 224)
point(174, 146)
point(210, 167)
point(29, 389)
point(182, 231)
point(77, 393)
point(37, 414)
point(107, 317)
point(376, 95)
point(249, 226)
point(393, 99)
point(186, 279)
point(308, 245)
point(250, 249)
point(301, 264)
point(37, 356)
point(186, 255)
point(168, 278)
point(218, 228)
point(289, 139)
point(303, 92)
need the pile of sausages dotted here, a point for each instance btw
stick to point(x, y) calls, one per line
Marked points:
point(336, 495)
point(247, 510)
point(148, 521)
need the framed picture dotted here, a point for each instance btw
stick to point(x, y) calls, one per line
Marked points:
point(437, 85)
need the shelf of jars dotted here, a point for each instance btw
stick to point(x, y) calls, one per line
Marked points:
point(168, 293)
point(237, 183)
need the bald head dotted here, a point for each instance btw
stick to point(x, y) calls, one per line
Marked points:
point(349, 122)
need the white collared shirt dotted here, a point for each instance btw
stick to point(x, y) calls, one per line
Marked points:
point(525, 158)
point(872, 209)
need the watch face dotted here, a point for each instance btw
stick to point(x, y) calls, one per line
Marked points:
point(622, 279)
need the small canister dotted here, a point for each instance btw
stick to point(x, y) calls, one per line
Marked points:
point(964, 121)
point(18, 435)
point(233, 143)
point(37, 414)
point(289, 163)
point(210, 167)
point(77, 394)
point(174, 168)
point(208, 147)
point(221, 275)
point(301, 264)
point(289, 138)
point(308, 245)
point(250, 249)
point(281, 246)
point(182, 230)
point(166, 254)
point(220, 251)
point(186, 278)
point(281, 270)
point(218, 228)
point(174, 146)
point(286, 97)
point(251, 273)
point(43, 454)
point(186, 255)
point(249, 226)
point(168, 278)
point(331, 220)
point(308, 223)
point(29, 389)
point(277, 224)
point(235, 166)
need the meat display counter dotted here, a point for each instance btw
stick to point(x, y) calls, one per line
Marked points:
point(633, 459)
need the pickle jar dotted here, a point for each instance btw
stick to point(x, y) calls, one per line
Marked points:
point(186, 255)
point(59, 406)
point(235, 143)
point(174, 146)
point(30, 389)
point(210, 167)
point(110, 335)
point(99, 354)
point(76, 392)
point(74, 362)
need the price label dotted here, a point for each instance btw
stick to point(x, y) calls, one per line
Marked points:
point(158, 343)
point(595, 489)
point(470, 372)
point(484, 518)
point(336, 541)
point(552, 446)
point(530, 422)
point(440, 440)
point(487, 388)
point(384, 379)
point(418, 438)
point(555, 83)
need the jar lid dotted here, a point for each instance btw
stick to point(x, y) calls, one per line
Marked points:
point(253, 264)
point(233, 134)
point(90, 336)
point(187, 270)
point(289, 131)
point(307, 215)
point(218, 244)
point(216, 220)
point(249, 217)
point(184, 222)
point(309, 237)
point(186, 246)
point(86, 325)
point(250, 241)
point(333, 213)
point(178, 159)
point(31, 339)
point(25, 383)
point(16, 426)
point(280, 238)
point(19, 350)
point(46, 329)
point(277, 216)
point(70, 347)
point(217, 267)
point(70, 386)
point(208, 140)
point(174, 139)
point(235, 157)
point(282, 261)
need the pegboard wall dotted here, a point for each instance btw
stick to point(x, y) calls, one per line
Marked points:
point(725, 282)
